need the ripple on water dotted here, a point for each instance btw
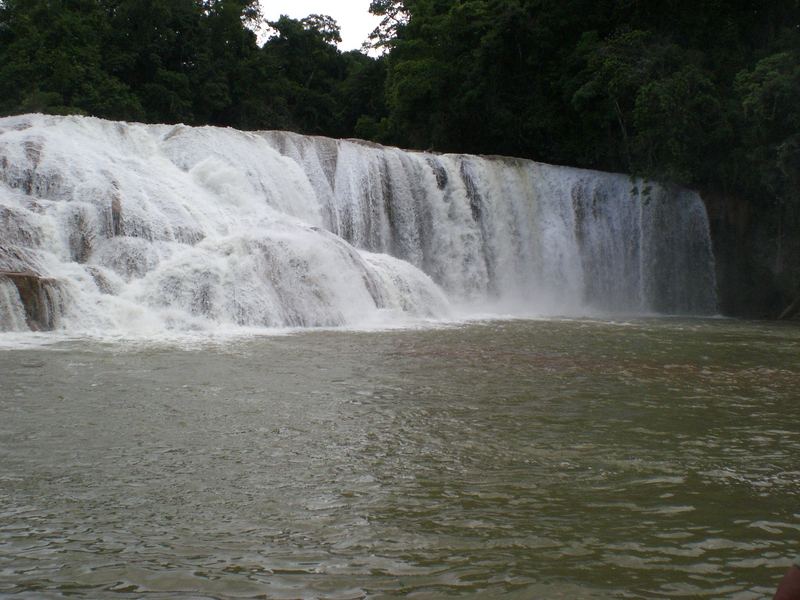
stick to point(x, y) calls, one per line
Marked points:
point(530, 459)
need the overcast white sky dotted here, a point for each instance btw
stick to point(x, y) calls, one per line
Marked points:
point(352, 15)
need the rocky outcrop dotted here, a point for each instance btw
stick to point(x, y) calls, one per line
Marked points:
point(38, 296)
point(756, 257)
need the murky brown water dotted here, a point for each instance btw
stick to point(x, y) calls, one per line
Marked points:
point(529, 459)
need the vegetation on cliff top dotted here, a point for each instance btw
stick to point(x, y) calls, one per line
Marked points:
point(701, 93)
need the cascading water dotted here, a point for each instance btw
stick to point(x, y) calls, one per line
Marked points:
point(140, 228)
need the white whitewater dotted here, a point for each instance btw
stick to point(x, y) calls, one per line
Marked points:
point(115, 227)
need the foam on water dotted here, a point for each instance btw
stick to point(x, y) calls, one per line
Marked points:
point(126, 229)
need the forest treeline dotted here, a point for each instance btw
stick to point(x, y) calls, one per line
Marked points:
point(704, 93)
point(190, 61)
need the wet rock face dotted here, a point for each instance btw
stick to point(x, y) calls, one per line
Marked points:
point(38, 297)
point(16, 259)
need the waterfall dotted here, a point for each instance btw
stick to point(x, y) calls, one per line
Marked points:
point(120, 227)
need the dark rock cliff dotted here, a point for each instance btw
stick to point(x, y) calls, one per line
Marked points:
point(757, 257)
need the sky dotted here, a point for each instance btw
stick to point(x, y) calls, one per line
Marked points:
point(352, 15)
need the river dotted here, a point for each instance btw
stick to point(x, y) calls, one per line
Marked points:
point(518, 459)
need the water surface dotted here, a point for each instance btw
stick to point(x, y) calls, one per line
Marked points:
point(521, 459)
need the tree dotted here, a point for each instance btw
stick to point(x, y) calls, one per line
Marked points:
point(771, 131)
point(394, 16)
point(324, 27)
point(680, 126)
point(311, 69)
point(51, 60)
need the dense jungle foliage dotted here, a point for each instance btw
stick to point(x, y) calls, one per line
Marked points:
point(704, 93)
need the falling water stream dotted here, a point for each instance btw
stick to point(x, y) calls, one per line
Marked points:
point(140, 229)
